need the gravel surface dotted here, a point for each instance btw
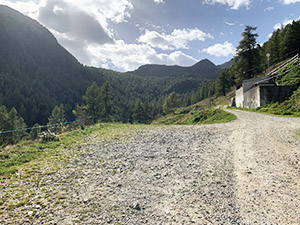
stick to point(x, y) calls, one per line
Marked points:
point(243, 172)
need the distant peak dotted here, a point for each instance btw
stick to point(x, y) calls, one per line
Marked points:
point(204, 62)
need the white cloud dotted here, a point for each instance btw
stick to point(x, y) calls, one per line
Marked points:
point(101, 10)
point(29, 8)
point(284, 23)
point(220, 50)
point(176, 40)
point(234, 4)
point(229, 24)
point(287, 2)
point(159, 1)
point(277, 26)
point(175, 58)
point(128, 57)
point(81, 26)
point(67, 19)
point(268, 9)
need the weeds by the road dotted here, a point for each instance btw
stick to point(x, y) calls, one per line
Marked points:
point(13, 157)
point(271, 109)
point(210, 116)
point(26, 168)
point(289, 107)
point(204, 116)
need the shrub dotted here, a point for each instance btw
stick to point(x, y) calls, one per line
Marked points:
point(47, 136)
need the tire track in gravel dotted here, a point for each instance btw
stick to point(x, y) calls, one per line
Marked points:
point(243, 172)
point(266, 155)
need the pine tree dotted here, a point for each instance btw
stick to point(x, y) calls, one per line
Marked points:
point(274, 47)
point(4, 123)
point(139, 111)
point(80, 114)
point(93, 101)
point(247, 61)
point(171, 103)
point(35, 132)
point(224, 82)
point(147, 114)
point(57, 117)
point(292, 38)
point(11, 121)
point(106, 99)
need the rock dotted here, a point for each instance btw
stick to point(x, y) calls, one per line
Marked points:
point(157, 175)
point(136, 206)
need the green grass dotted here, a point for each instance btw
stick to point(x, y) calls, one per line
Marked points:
point(289, 107)
point(203, 116)
point(210, 116)
point(292, 78)
point(13, 157)
point(169, 119)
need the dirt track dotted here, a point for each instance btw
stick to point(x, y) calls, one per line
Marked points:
point(267, 168)
point(243, 172)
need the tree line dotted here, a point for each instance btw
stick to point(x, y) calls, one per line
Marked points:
point(132, 98)
point(252, 60)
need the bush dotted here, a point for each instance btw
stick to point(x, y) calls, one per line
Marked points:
point(47, 136)
point(208, 116)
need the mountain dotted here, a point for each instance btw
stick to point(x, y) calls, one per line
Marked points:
point(226, 65)
point(204, 68)
point(36, 72)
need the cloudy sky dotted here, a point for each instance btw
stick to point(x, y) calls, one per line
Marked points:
point(125, 34)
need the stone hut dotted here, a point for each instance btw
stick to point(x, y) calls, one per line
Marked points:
point(256, 92)
point(260, 91)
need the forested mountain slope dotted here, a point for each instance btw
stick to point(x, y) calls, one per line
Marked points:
point(203, 68)
point(36, 74)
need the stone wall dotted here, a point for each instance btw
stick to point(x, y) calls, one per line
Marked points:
point(252, 98)
point(266, 94)
point(269, 94)
point(239, 97)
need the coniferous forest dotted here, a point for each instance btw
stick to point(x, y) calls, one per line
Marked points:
point(37, 74)
point(41, 82)
point(253, 60)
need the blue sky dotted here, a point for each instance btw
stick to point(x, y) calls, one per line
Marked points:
point(125, 34)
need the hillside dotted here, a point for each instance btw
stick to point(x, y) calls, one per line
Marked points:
point(290, 105)
point(203, 68)
point(36, 73)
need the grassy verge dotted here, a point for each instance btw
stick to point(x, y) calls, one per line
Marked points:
point(290, 107)
point(204, 116)
point(12, 158)
point(210, 116)
point(274, 109)
point(30, 172)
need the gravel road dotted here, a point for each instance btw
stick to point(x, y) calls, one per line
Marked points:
point(243, 172)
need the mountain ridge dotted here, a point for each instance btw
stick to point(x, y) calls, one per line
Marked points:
point(37, 73)
point(204, 68)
